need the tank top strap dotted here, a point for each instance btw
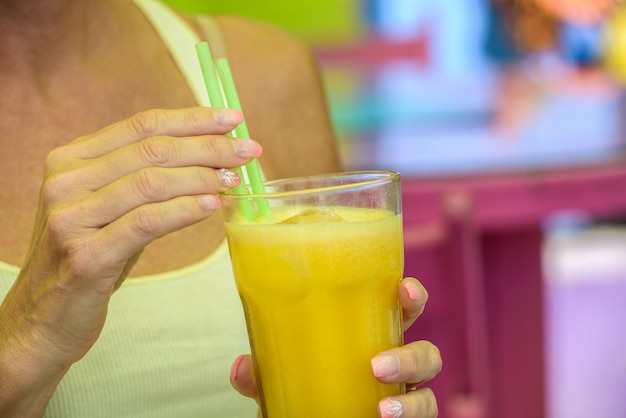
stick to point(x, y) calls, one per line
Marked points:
point(180, 37)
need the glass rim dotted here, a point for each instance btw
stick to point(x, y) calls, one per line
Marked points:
point(380, 176)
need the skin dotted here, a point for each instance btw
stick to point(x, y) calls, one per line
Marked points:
point(81, 127)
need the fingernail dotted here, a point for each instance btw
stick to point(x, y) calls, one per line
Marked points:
point(227, 117)
point(247, 148)
point(235, 369)
point(390, 408)
point(413, 290)
point(209, 202)
point(228, 177)
point(385, 365)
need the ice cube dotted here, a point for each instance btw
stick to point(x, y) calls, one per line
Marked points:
point(310, 216)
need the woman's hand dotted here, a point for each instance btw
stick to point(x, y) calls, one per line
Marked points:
point(104, 197)
point(413, 364)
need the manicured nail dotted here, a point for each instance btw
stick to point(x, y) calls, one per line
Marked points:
point(209, 202)
point(385, 365)
point(413, 290)
point(227, 117)
point(235, 369)
point(247, 148)
point(390, 408)
point(228, 178)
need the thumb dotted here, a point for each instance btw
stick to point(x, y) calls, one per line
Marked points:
point(242, 377)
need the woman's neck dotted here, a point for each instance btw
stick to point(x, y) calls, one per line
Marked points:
point(41, 37)
point(66, 42)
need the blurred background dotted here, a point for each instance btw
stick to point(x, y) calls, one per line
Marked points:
point(450, 90)
point(438, 72)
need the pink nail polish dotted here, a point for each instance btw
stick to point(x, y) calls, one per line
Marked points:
point(209, 202)
point(413, 290)
point(234, 370)
point(391, 408)
point(385, 365)
point(247, 148)
point(228, 177)
point(227, 117)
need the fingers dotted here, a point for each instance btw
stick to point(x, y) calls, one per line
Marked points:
point(156, 122)
point(413, 297)
point(155, 152)
point(154, 185)
point(133, 231)
point(242, 377)
point(107, 195)
point(417, 403)
point(168, 152)
point(413, 363)
point(169, 139)
point(132, 173)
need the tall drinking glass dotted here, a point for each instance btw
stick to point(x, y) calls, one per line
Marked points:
point(318, 275)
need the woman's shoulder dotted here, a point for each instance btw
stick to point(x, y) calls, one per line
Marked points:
point(256, 33)
point(281, 91)
point(266, 49)
point(249, 40)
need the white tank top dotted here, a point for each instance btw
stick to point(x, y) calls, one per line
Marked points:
point(169, 339)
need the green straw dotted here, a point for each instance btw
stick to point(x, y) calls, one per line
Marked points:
point(210, 76)
point(241, 131)
point(214, 91)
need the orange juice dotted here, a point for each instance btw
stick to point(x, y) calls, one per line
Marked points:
point(320, 300)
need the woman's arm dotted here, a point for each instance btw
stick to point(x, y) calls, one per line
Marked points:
point(104, 197)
